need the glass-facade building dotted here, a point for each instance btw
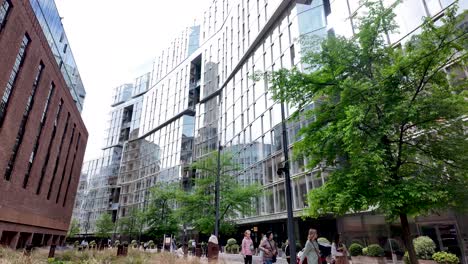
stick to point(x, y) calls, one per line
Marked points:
point(98, 191)
point(51, 23)
point(202, 94)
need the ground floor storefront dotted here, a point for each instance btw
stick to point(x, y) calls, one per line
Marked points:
point(449, 231)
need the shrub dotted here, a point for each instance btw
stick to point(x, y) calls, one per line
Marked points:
point(134, 243)
point(232, 247)
point(323, 240)
point(365, 251)
point(92, 244)
point(375, 250)
point(232, 241)
point(190, 244)
point(445, 258)
point(424, 247)
point(116, 243)
point(406, 258)
point(76, 244)
point(355, 249)
point(151, 244)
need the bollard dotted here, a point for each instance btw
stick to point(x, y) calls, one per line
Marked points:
point(52, 251)
point(213, 252)
point(119, 250)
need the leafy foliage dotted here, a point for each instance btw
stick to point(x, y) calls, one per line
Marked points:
point(197, 207)
point(445, 258)
point(160, 215)
point(424, 247)
point(388, 120)
point(74, 228)
point(375, 250)
point(132, 223)
point(104, 226)
point(355, 249)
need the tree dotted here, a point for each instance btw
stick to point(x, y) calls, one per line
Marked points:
point(387, 119)
point(197, 207)
point(160, 216)
point(104, 226)
point(132, 223)
point(74, 228)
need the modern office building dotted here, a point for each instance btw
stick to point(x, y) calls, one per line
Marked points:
point(98, 190)
point(42, 135)
point(202, 95)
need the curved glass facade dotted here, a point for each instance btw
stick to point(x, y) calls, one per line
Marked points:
point(202, 94)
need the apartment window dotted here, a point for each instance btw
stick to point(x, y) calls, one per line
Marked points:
point(72, 168)
point(66, 163)
point(22, 127)
point(46, 161)
point(4, 10)
point(13, 76)
point(57, 159)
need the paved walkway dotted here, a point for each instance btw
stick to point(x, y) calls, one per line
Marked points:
point(238, 259)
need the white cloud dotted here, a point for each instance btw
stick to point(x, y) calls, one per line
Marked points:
point(113, 41)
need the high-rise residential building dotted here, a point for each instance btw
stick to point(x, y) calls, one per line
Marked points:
point(98, 191)
point(202, 96)
point(42, 135)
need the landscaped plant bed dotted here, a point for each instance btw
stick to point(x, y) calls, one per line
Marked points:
point(368, 260)
point(426, 261)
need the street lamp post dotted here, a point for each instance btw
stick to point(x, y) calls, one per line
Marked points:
point(287, 183)
point(218, 176)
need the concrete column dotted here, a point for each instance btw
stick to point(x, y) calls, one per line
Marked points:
point(29, 239)
point(14, 240)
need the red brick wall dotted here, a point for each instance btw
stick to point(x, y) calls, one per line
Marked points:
point(17, 204)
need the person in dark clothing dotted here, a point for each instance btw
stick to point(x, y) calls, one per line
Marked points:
point(286, 251)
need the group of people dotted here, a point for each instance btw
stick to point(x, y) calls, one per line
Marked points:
point(309, 255)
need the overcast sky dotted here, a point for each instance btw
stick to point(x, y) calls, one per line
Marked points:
point(114, 41)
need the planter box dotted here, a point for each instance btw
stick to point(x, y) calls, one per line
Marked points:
point(425, 261)
point(369, 260)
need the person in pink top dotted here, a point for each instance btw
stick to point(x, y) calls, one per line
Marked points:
point(247, 248)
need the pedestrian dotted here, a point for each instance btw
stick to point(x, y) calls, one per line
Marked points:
point(311, 252)
point(339, 251)
point(194, 246)
point(270, 251)
point(286, 252)
point(247, 248)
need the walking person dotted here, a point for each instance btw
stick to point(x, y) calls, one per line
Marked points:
point(247, 248)
point(339, 251)
point(286, 252)
point(270, 251)
point(311, 252)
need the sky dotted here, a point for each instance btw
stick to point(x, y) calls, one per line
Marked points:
point(115, 41)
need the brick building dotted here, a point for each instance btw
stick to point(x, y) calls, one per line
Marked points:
point(42, 135)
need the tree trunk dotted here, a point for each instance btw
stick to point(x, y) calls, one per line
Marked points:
point(407, 239)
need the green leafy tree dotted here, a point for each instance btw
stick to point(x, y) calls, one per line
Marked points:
point(132, 223)
point(160, 216)
point(388, 119)
point(197, 207)
point(104, 226)
point(74, 228)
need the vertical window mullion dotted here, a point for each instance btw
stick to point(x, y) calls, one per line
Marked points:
point(13, 77)
point(38, 136)
point(22, 126)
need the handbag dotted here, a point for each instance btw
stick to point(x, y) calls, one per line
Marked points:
point(273, 258)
